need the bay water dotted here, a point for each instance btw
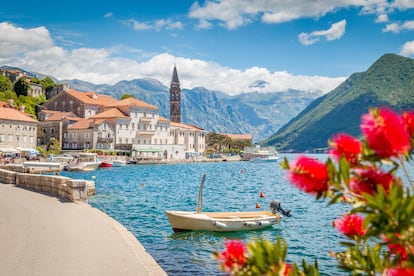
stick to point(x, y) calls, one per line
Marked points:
point(138, 195)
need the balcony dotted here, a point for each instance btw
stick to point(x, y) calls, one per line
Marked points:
point(145, 133)
point(145, 119)
point(105, 140)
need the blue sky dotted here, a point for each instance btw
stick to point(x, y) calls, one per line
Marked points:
point(224, 45)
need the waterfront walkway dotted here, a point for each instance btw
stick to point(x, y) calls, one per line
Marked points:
point(42, 235)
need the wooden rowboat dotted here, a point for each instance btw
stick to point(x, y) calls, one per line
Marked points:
point(224, 221)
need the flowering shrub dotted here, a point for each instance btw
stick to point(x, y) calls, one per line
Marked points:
point(379, 227)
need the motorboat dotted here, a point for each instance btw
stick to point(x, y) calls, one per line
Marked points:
point(118, 163)
point(105, 164)
point(270, 157)
point(224, 221)
point(84, 162)
point(258, 154)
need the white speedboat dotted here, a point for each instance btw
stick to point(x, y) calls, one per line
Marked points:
point(85, 162)
point(224, 221)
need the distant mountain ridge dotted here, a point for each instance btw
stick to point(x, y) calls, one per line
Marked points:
point(388, 82)
point(254, 113)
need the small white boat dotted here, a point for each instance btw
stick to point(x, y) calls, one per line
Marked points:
point(265, 158)
point(118, 163)
point(85, 162)
point(221, 221)
point(224, 221)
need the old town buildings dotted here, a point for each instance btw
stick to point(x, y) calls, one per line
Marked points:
point(89, 120)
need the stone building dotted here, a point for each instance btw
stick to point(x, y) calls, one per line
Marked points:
point(52, 124)
point(35, 90)
point(82, 104)
point(17, 129)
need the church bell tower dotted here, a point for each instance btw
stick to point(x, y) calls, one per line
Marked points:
point(175, 98)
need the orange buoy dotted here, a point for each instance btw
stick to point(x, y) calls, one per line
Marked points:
point(257, 205)
point(142, 184)
point(262, 194)
point(242, 171)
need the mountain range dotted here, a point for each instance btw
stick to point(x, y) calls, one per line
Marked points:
point(291, 120)
point(249, 113)
point(388, 82)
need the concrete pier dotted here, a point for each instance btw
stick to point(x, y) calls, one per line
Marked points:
point(45, 235)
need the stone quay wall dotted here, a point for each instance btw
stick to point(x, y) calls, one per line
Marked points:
point(59, 186)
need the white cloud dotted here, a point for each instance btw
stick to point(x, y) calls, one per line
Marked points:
point(336, 31)
point(103, 66)
point(407, 49)
point(157, 25)
point(235, 13)
point(398, 27)
point(108, 15)
point(15, 40)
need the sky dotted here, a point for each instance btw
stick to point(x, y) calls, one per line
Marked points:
point(233, 46)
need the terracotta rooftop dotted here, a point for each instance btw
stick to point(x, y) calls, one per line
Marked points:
point(12, 114)
point(132, 102)
point(81, 124)
point(190, 127)
point(163, 119)
point(57, 115)
point(239, 136)
point(110, 113)
point(91, 97)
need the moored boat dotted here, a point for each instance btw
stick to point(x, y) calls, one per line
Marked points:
point(105, 164)
point(118, 163)
point(83, 163)
point(224, 221)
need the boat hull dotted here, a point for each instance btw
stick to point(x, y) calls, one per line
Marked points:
point(83, 167)
point(105, 164)
point(221, 221)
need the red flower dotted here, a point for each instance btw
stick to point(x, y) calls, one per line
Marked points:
point(350, 225)
point(288, 269)
point(368, 180)
point(399, 271)
point(347, 146)
point(396, 248)
point(385, 133)
point(233, 255)
point(408, 120)
point(309, 175)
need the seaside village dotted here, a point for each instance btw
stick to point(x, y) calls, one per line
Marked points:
point(91, 122)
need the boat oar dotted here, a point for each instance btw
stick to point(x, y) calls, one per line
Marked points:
point(200, 195)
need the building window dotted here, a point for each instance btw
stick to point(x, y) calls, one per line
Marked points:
point(52, 130)
point(65, 135)
point(86, 135)
point(44, 130)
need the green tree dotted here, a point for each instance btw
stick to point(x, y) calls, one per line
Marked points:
point(54, 146)
point(5, 83)
point(21, 86)
point(47, 83)
point(125, 96)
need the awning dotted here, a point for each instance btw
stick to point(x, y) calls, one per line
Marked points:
point(9, 150)
point(29, 151)
point(148, 149)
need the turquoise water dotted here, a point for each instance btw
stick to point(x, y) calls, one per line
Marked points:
point(138, 195)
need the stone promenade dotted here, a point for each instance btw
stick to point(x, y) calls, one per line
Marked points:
point(42, 235)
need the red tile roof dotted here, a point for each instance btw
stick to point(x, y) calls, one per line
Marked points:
point(190, 127)
point(110, 113)
point(133, 102)
point(92, 98)
point(12, 114)
point(81, 124)
point(57, 115)
point(238, 136)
